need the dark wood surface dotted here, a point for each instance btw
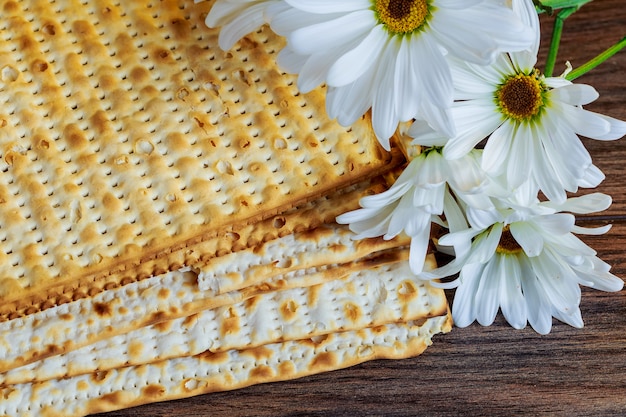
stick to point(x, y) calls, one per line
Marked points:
point(496, 370)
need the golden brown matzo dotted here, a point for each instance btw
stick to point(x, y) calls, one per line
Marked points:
point(125, 132)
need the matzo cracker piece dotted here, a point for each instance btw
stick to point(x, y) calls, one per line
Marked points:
point(325, 245)
point(371, 297)
point(304, 217)
point(154, 300)
point(211, 372)
point(127, 134)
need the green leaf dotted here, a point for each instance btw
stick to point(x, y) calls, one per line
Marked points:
point(560, 4)
point(542, 8)
point(548, 6)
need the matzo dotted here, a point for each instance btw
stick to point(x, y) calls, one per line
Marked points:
point(126, 132)
point(367, 298)
point(210, 372)
point(171, 295)
point(325, 245)
point(238, 237)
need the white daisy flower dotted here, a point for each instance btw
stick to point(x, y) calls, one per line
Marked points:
point(238, 18)
point(527, 263)
point(531, 122)
point(420, 195)
point(389, 55)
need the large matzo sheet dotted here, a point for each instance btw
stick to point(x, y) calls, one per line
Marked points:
point(126, 135)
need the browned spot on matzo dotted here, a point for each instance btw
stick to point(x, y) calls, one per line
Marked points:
point(324, 360)
point(407, 291)
point(262, 372)
point(288, 309)
point(153, 391)
point(260, 353)
point(102, 309)
point(352, 311)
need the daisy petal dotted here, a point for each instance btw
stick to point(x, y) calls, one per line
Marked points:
point(289, 61)
point(596, 231)
point(575, 94)
point(454, 215)
point(497, 149)
point(603, 281)
point(484, 247)
point(525, 9)
point(464, 305)
point(405, 80)
point(573, 318)
point(592, 178)
point(554, 279)
point(328, 6)
point(537, 306)
point(356, 62)
point(474, 121)
point(586, 204)
point(554, 225)
point(247, 21)
point(436, 79)
point(617, 129)
point(522, 151)
point(472, 83)
point(285, 19)
point(528, 239)
point(487, 300)
point(460, 4)
point(418, 249)
point(384, 111)
point(221, 14)
point(351, 101)
point(484, 21)
point(512, 300)
point(586, 123)
point(324, 36)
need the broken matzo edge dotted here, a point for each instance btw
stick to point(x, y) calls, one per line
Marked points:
point(325, 245)
point(365, 298)
point(211, 372)
point(167, 296)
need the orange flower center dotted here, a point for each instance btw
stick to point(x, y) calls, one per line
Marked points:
point(402, 17)
point(521, 97)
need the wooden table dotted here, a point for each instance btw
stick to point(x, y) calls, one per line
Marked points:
point(496, 370)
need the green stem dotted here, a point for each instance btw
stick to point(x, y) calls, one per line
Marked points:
point(557, 30)
point(591, 64)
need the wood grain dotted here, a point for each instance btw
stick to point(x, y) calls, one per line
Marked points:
point(494, 371)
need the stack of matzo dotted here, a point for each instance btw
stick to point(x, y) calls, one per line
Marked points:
point(166, 215)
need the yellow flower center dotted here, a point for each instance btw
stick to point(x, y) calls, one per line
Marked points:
point(520, 97)
point(508, 245)
point(402, 17)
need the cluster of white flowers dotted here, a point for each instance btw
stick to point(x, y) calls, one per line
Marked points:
point(495, 134)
